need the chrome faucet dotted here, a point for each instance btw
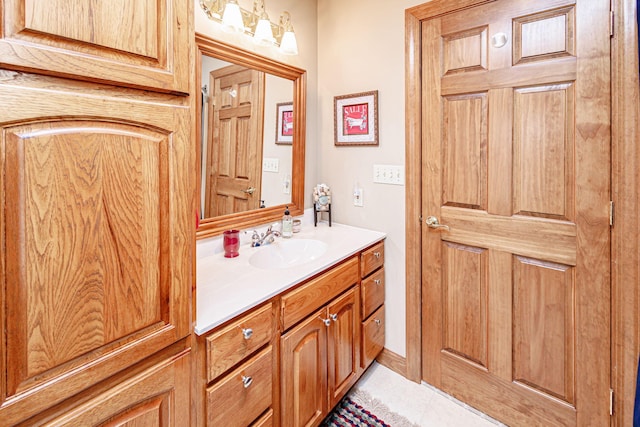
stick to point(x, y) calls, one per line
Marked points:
point(262, 239)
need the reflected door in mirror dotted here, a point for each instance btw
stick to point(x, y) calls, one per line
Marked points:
point(234, 142)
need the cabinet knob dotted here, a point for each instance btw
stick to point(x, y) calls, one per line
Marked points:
point(377, 322)
point(246, 381)
point(377, 281)
point(247, 333)
point(327, 322)
point(377, 255)
point(334, 317)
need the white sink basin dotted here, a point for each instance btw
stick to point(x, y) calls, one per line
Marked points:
point(287, 253)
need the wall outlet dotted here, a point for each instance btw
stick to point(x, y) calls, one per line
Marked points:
point(388, 174)
point(270, 164)
point(358, 197)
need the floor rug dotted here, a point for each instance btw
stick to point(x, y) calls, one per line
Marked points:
point(359, 409)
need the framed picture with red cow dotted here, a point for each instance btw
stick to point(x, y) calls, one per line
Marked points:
point(356, 118)
point(284, 123)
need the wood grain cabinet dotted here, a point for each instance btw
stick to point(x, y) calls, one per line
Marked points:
point(96, 197)
point(135, 43)
point(289, 361)
point(373, 289)
point(320, 355)
point(241, 370)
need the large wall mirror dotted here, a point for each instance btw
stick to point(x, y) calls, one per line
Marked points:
point(251, 132)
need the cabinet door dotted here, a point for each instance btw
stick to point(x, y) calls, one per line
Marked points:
point(158, 396)
point(343, 345)
point(97, 213)
point(304, 372)
point(138, 43)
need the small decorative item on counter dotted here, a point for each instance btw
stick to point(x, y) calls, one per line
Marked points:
point(231, 243)
point(321, 202)
point(297, 225)
point(287, 224)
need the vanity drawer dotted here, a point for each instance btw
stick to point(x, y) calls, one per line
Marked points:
point(372, 337)
point(372, 259)
point(297, 304)
point(227, 347)
point(372, 293)
point(265, 421)
point(243, 395)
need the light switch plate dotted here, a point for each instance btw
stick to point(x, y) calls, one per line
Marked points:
point(388, 174)
point(270, 164)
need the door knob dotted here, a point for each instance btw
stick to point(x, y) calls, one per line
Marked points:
point(249, 190)
point(432, 222)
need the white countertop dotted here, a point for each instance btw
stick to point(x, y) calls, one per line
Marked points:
point(226, 287)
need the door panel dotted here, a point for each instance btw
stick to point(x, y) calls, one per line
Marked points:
point(304, 372)
point(465, 317)
point(543, 332)
point(142, 43)
point(516, 164)
point(343, 345)
point(235, 144)
point(543, 145)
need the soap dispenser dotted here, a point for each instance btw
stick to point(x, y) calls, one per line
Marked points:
point(287, 224)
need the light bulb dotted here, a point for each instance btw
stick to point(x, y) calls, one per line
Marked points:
point(232, 17)
point(264, 34)
point(289, 45)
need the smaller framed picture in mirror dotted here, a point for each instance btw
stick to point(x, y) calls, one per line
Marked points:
point(284, 123)
point(356, 119)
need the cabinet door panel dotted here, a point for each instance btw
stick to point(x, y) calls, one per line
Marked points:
point(141, 43)
point(158, 396)
point(97, 213)
point(343, 344)
point(304, 372)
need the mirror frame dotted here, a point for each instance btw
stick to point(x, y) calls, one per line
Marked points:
point(207, 46)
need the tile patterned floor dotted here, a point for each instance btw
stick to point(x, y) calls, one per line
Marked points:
point(420, 403)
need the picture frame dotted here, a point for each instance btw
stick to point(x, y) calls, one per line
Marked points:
point(356, 119)
point(284, 123)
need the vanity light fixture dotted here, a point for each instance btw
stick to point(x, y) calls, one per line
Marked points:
point(254, 23)
point(263, 35)
point(288, 43)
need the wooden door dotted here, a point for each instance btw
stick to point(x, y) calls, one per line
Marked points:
point(234, 163)
point(137, 43)
point(343, 344)
point(96, 194)
point(304, 372)
point(516, 155)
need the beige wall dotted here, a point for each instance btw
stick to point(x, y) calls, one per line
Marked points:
point(361, 48)
point(348, 47)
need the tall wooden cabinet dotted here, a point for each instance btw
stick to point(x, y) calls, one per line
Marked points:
point(96, 210)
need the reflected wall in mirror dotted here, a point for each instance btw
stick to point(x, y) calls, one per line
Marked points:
point(249, 173)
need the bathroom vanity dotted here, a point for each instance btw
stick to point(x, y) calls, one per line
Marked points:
point(281, 342)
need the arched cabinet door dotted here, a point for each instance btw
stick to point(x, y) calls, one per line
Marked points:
point(96, 211)
point(136, 43)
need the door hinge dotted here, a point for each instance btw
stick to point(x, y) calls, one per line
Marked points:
point(611, 23)
point(611, 401)
point(611, 213)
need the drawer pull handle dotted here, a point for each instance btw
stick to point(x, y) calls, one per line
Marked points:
point(377, 255)
point(377, 322)
point(377, 281)
point(246, 381)
point(247, 333)
point(334, 317)
point(327, 322)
